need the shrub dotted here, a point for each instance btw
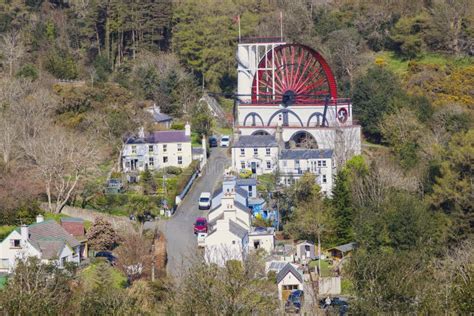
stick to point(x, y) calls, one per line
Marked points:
point(173, 170)
point(61, 64)
point(245, 173)
point(28, 71)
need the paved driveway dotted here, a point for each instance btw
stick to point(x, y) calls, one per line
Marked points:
point(181, 241)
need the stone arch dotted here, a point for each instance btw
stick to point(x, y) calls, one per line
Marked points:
point(285, 113)
point(253, 116)
point(260, 132)
point(303, 139)
point(319, 116)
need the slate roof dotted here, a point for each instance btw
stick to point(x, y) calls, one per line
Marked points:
point(49, 237)
point(247, 182)
point(241, 206)
point(289, 269)
point(241, 192)
point(256, 141)
point(161, 117)
point(160, 137)
point(291, 154)
point(346, 247)
point(237, 230)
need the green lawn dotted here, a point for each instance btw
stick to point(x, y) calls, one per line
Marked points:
point(325, 267)
point(3, 282)
point(222, 130)
point(347, 288)
point(87, 275)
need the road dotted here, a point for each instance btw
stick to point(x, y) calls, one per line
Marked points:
point(181, 241)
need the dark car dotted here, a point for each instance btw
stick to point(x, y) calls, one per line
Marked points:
point(200, 226)
point(336, 304)
point(212, 141)
point(294, 301)
point(107, 256)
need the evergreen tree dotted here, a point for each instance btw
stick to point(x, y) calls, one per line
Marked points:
point(343, 212)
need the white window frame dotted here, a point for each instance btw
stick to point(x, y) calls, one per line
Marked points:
point(324, 179)
point(165, 159)
point(255, 151)
point(133, 149)
point(242, 151)
point(242, 164)
point(180, 147)
point(151, 161)
point(269, 164)
point(268, 151)
point(151, 148)
point(165, 148)
point(180, 160)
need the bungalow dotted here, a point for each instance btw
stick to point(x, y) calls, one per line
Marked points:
point(288, 280)
point(46, 240)
point(262, 238)
point(75, 227)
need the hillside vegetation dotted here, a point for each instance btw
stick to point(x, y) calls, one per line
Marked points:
point(76, 76)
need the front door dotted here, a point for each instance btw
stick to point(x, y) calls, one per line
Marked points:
point(253, 166)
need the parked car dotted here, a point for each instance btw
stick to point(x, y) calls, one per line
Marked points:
point(212, 141)
point(205, 201)
point(200, 226)
point(225, 141)
point(107, 256)
point(336, 303)
point(201, 239)
point(294, 301)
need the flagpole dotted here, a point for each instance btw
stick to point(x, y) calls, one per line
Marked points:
point(281, 25)
point(238, 17)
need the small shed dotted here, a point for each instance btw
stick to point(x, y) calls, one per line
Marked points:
point(342, 250)
point(288, 280)
point(305, 250)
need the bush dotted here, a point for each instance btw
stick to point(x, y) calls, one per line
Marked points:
point(102, 67)
point(28, 71)
point(245, 174)
point(178, 126)
point(173, 170)
point(61, 64)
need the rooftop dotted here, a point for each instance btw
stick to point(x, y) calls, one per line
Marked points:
point(302, 154)
point(237, 230)
point(249, 181)
point(289, 268)
point(262, 231)
point(256, 141)
point(160, 137)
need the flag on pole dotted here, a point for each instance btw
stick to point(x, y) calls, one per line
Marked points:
point(237, 20)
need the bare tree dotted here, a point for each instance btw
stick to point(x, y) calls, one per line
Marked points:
point(61, 160)
point(8, 138)
point(134, 253)
point(12, 48)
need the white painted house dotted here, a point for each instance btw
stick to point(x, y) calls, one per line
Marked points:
point(46, 240)
point(257, 153)
point(228, 241)
point(288, 280)
point(262, 238)
point(293, 163)
point(157, 150)
point(230, 208)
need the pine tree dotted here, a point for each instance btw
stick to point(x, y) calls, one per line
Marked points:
point(343, 211)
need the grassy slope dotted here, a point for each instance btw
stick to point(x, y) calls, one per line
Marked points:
point(87, 275)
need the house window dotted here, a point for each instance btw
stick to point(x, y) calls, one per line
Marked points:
point(165, 159)
point(325, 180)
point(180, 147)
point(255, 151)
point(134, 149)
point(242, 164)
point(319, 163)
point(151, 161)
point(267, 151)
point(150, 148)
point(242, 151)
point(284, 163)
point(269, 164)
point(323, 163)
point(180, 160)
point(165, 148)
point(15, 243)
point(290, 287)
point(250, 190)
point(233, 242)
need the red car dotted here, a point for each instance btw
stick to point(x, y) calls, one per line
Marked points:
point(200, 226)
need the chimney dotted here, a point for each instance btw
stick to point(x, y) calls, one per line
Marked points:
point(24, 232)
point(279, 137)
point(141, 132)
point(187, 129)
point(39, 218)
